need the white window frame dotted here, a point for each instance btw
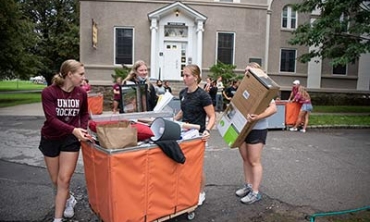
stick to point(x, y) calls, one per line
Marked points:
point(114, 46)
point(289, 17)
point(295, 60)
point(233, 53)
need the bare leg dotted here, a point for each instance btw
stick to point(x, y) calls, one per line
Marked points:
point(307, 114)
point(61, 170)
point(254, 159)
point(247, 168)
point(300, 118)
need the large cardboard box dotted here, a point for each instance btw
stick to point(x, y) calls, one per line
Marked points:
point(253, 96)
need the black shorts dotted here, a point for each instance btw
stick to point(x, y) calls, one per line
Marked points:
point(256, 136)
point(52, 148)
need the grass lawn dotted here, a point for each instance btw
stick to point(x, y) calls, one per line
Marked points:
point(361, 120)
point(14, 85)
point(14, 99)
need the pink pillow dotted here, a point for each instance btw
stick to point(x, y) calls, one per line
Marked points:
point(143, 131)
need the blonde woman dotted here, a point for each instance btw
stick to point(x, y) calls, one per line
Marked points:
point(139, 74)
point(196, 106)
point(304, 98)
point(66, 114)
point(251, 151)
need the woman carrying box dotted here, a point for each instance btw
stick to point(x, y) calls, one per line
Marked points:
point(251, 150)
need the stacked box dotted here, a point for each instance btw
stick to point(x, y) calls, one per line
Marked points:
point(253, 96)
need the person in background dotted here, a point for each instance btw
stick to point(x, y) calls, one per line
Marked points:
point(66, 113)
point(159, 89)
point(304, 98)
point(207, 86)
point(219, 97)
point(116, 94)
point(294, 91)
point(196, 106)
point(85, 85)
point(251, 150)
point(167, 87)
point(229, 92)
point(212, 92)
point(139, 74)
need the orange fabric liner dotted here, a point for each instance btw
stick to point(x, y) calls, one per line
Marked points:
point(142, 185)
point(292, 112)
point(95, 104)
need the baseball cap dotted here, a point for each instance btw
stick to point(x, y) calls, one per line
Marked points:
point(296, 82)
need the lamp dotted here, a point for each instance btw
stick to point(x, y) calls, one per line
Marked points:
point(177, 12)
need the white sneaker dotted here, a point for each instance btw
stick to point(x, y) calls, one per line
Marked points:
point(202, 198)
point(303, 130)
point(293, 129)
point(70, 204)
point(244, 191)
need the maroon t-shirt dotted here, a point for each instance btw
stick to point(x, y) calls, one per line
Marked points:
point(64, 111)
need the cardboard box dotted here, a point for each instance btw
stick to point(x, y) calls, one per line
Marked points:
point(253, 96)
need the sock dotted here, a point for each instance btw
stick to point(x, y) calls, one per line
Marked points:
point(255, 192)
point(57, 220)
point(249, 185)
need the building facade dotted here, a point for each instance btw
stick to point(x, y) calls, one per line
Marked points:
point(168, 35)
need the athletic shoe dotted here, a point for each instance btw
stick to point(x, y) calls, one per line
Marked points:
point(242, 192)
point(293, 129)
point(70, 204)
point(303, 130)
point(202, 198)
point(251, 198)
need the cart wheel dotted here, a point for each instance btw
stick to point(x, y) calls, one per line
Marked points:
point(191, 215)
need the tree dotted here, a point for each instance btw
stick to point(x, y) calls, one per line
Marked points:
point(57, 26)
point(341, 32)
point(18, 38)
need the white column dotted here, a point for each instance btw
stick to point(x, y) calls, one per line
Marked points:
point(153, 49)
point(265, 64)
point(314, 68)
point(200, 31)
point(363, 81)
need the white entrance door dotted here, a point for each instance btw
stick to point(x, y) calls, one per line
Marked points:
point(171, 61)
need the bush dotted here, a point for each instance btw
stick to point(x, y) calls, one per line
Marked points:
point(339, 99)
point(226, 71)
point(120, 72)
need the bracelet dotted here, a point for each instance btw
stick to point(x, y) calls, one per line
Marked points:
point(208, 131)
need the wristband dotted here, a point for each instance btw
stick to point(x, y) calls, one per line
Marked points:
point(208, 131)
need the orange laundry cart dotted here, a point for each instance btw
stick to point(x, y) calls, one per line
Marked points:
point(292, 112)
point(142, 183)
point(95, 104)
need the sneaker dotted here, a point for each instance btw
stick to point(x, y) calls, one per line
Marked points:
point(242, 192)
point(70, 204)
point(202, 198)
point(293, 129)
point(303, 130)
point(251, 198)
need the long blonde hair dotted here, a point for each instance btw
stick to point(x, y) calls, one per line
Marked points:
point(303, 92)
point(195, 71)
point(67, 66)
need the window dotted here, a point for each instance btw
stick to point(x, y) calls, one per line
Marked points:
point(287, 60)
point(124, 46)
point(225, 48)
point(340, 70)
point(288, 18)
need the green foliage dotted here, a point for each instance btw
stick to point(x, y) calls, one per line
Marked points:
point(121, 72)
point(226, 71)
point(340, 32)
point(345, 120)
point(18, 38)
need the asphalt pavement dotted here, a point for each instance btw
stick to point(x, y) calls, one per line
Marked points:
point(318, 171)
